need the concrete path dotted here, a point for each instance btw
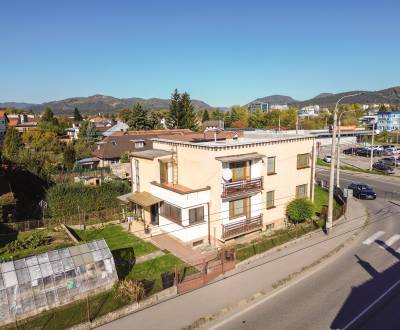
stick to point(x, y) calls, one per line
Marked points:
point(149, 256)
point(258, 278)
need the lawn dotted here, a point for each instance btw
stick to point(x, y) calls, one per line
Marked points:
point(117, 238)
point(59, 239)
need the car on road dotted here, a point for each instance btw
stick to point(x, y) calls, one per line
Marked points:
point(328, 159)
point(362, 191)
point(391, 161)
point(382, 167)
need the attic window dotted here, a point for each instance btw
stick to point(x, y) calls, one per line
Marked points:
point(139, 144)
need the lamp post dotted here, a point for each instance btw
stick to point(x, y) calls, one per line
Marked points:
point(371, 160)
point(329, 219)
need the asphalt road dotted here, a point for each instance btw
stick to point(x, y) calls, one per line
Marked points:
point(360, 288)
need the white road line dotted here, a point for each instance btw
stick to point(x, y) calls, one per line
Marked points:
point(348, 325)
point(390, 241)
point(373, 237)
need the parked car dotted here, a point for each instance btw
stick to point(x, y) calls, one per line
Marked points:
point(388, 152)
point(382, 167)
point(362, 191)
point(328, 159)
point(351, 151)
point(391, 161)
point(366, 152)
point(388, 146)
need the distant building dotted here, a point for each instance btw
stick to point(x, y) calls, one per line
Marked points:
point(3, 126)
point(118, 127)
point(388, 121)
point(213, 125)
point(309, 111)
point(279, 107)
point(258, 106)
point(23, 122)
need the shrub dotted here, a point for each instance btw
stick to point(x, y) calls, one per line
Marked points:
point(129, 290)
point(64, 199)
point(32, 241)
point(299, 210)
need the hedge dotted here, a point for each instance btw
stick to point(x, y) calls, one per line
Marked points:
point(71, 198)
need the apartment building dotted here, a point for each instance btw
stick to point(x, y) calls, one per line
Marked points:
point(388, 121)
point(202, 188)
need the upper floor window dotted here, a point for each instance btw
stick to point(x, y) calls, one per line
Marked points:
point(239, 208)
point(240, 170)
point(303, 160)
point(270, 165)
point(301, 191)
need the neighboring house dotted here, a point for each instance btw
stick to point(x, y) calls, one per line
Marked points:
point(213, 124)
point(309, 111)
point(118, 127)
point(4, 122)
point(23, 122)
point(388, 121)
point(110, 149)
point(73, 131)
point(199, 188)
point(88, 163)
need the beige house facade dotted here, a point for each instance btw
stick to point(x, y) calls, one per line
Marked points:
point(212, 191)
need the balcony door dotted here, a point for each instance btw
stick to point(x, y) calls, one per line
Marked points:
point(240, 170)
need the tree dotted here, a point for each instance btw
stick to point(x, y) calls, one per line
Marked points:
point(77, 115)
point(299, 210)
point(48, 117)
point(91, 133)
point(123, 115)
point(69, 156)
point(12, 145)
point(382, 108)
point(82, 149)
point(206, 116)
point(155, 120)
point(238, 117)
point(124, 157)
point(174, 119)
point(217, 114)
point(256, 119)
point(189, 116)
point(138, 118)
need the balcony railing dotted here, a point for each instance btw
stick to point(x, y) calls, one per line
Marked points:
point(241, 227)
point(237, 187)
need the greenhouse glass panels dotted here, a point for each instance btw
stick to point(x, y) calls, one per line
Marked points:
point(47, 280)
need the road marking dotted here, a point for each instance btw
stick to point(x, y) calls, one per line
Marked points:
point(348, 325)
point(373, 238)
point(390, 241)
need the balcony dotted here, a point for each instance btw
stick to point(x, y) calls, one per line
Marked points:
point(243, 186)
point(241, 227)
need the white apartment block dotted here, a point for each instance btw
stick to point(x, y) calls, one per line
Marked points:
point(201, 190)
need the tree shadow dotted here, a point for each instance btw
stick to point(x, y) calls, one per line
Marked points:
point(124, 260)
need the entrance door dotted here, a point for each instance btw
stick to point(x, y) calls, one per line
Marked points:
point(154, 214)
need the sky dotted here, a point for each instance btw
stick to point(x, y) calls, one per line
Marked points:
point(222, 52)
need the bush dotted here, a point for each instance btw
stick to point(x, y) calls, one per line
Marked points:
point(129, 290)
point(30, 242)
point(64, 199)
point(299, 210)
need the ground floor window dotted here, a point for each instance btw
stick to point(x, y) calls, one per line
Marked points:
point(239, 208)
point(171, 212)
point(301, 191)
point(196, 215)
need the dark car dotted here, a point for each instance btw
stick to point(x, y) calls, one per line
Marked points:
point(366, 152)
point(383, 167)
point(362, 191)
point(388, 146)
point(391, 161)
point(351, 151)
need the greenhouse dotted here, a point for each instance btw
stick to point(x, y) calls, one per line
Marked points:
point(33, 284)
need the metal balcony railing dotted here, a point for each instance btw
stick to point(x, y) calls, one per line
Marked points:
point(242, 227)
point(236, 187)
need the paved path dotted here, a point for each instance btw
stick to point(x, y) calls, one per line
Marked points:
point(149, 256)
point(359, 289)
point(243, 283)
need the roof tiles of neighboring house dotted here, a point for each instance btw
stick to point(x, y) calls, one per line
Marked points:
point(112, 147)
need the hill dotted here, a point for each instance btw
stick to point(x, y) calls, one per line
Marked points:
point(275, 99)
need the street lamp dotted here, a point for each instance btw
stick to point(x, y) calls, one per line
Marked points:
point(371, 159)
point(332, 169)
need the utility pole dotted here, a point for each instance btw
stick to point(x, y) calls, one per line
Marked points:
point(338, 153)
point(297, 123)
point(372, 146)
point(329, 220)
point(279, 123)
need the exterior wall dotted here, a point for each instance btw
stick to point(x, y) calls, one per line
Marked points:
point(148, 172)
point(187, 234)
point(197, 167)
point(388, 121)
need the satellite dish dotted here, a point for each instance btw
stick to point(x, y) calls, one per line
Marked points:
point(227, 174)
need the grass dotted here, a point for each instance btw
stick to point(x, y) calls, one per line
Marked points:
point(59, 240)
point(105, 302)
point(117, 238)
point(321, 199)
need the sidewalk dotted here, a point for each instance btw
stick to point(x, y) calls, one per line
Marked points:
point(258, 277)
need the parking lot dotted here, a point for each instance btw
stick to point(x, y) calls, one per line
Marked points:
point(353, 160)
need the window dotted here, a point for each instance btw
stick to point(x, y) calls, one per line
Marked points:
point(270, 199)
point(163, 172)
point(196, 215)
point(303, 161)
point(139, 144)
point(301, 191)
point(239, 208)
point(171, 212)
point(270, 165)
point(240, 170)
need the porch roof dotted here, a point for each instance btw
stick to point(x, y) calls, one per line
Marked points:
point(142, 198)
point(236, 158)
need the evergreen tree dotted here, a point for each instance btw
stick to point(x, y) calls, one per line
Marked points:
point(189, 116)
point(174, 119)
point(155, 119)
point(206, 116)
point(77, 115)
point(48, 117)
point(12, 145)
point(69, 156)
point(138, 118)
point(91, 133)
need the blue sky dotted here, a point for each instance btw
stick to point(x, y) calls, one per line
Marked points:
point(222, 52)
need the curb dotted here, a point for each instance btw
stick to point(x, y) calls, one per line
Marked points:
point(282, 284)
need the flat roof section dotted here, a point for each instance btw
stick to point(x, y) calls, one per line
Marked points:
point(151, 153)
